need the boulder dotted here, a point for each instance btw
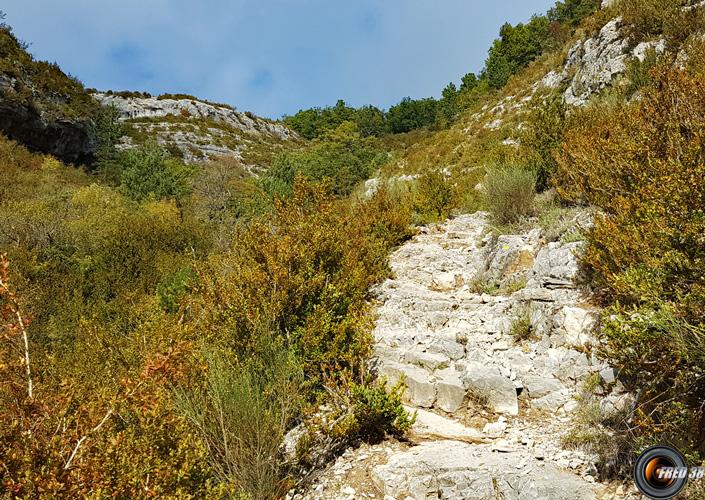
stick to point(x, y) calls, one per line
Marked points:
point(556, 266)
point(420, 390)
point(538, 387)
point(450, 390)
point(497, 391)
point(574, 325)
point(428, 360)
point(428, 425)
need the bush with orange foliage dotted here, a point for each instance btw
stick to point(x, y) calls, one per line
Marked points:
point(643, 165)
point(59, 439)
point(305, 272)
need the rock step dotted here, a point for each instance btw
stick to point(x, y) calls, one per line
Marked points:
point(455, 470)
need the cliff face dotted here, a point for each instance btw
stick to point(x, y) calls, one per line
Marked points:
point(67, 139)
point(197, 130)
point(136, 108)
point(41, 107)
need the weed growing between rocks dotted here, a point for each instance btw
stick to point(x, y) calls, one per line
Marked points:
point(520, 328)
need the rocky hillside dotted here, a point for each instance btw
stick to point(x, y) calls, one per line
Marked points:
point(51, 112)
point(597, 58)
point(42, 107)
point(494, 340)
point(196, 130)
point(496, 343)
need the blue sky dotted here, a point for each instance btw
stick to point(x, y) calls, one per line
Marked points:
point(268, 56)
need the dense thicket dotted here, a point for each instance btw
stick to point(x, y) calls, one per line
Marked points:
point(125, 297)
point(643, 165)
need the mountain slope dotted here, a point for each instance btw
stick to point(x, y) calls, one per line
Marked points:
point(42, 107)
point(196, 130)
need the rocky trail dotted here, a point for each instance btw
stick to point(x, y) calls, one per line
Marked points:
point(491, 409)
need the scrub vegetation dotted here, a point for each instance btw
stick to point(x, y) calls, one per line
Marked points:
point(163, 326)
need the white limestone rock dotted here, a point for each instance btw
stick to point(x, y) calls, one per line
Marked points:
point(454, 470)
point(487, 383)
point(595, 62)
point(450, 390)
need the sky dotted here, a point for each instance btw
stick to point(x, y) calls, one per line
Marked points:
point(271, 57)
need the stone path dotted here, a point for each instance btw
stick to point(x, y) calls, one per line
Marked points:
point(491, 408)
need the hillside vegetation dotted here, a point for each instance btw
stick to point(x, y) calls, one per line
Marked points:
point(164, 325)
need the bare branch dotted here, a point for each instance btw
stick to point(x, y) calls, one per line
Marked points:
point(80, 441)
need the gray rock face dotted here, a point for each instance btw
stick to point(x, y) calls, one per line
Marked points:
point(151, 107)
point(593, 63)
point(231, 132)
point(70, 140)
point(455, 470)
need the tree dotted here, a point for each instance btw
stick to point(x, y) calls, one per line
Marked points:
point(311, 123)
point(468, 82)
point(515, 48)
point(448, 106)
point(573, 11)
point(147, 173)
point(411, 114)
point(342, 157)
point(107, 130)
point(371, 121)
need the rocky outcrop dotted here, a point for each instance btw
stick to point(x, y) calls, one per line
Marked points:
point(491, 408)
point(197, 130)
point(152, 107)
point(592, 64)
point(25, 121)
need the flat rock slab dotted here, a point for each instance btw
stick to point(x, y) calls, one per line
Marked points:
point(454, 470)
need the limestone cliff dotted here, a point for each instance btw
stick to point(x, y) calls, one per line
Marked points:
point(197, 130)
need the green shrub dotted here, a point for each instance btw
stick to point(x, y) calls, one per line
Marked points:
point(342, 157)
point(543, 135)
point(435, 195)
point(147, 173)
point(509, 193)
point(682, 24)
point(241, 414)
point(639, 74)
point(172, 288)
point(369, 412)
point(573, 11)
point(378, 413)
point(307, 267)
point(521, 329)
point(648, 18)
